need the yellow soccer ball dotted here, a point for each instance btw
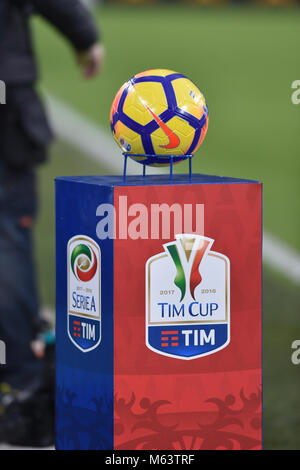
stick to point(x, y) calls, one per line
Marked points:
point(159, 113)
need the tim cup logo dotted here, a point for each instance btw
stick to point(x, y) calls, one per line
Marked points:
point(84, 293)
point(188, 299)
point(187, 284)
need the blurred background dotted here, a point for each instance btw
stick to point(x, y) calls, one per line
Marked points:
point(244, 57)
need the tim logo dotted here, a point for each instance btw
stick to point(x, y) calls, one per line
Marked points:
point(84, 293)
point(188, 299)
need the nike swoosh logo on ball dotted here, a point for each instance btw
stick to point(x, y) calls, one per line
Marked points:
point(174, 140)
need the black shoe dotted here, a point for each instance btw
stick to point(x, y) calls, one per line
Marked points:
point(27, 421)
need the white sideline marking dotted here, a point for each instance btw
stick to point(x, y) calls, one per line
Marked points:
point(87, 136)
point(96, 143)
point(281, 257)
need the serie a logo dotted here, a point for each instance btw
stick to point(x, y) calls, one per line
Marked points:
point(84, 293)
point(188, 299)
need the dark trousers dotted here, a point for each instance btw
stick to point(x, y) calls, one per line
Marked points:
point(18, 303)
point(22, 143)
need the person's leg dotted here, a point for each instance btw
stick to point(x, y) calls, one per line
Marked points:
point(26, 383)
point(18, 294)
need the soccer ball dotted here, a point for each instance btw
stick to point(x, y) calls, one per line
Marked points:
point(159, 113)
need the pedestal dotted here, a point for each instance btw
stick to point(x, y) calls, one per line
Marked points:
point(159, 313)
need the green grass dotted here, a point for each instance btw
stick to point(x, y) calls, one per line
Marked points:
point(243, 59)
point(281, 377)
point(63, 161)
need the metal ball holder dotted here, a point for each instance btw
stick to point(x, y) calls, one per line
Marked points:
point(173, 159)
